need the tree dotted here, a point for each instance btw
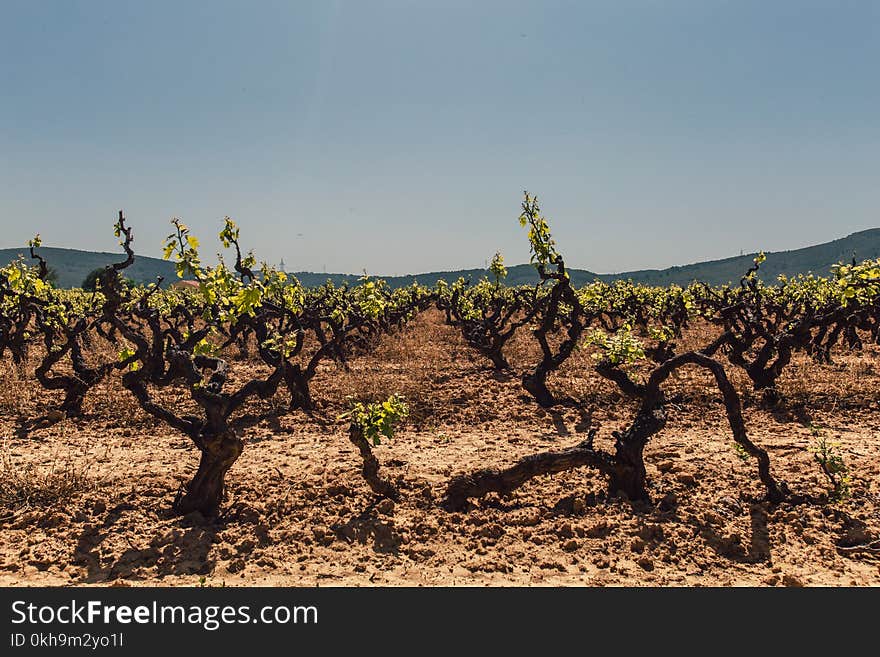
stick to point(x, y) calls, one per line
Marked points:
point(90, 282)
point(52, 276)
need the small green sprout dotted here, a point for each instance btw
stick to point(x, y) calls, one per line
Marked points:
point(741, 453)
point(827, 454)
point(378, 418)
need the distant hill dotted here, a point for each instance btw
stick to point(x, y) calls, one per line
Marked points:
point(818, 259)
point(864, 245)
point(73, 266)
point(516, 275)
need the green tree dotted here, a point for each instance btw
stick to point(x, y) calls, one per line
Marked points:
point(52, 276)
point(90, 282)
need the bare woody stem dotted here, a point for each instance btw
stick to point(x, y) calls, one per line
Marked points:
point(370, 470)
point(625, 468)
point(732, 406)
point(503, 481)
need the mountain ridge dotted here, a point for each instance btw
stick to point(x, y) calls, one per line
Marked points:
point(72, 266)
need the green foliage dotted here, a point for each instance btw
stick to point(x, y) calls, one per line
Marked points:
point(858, 283)
point(741, 453)
point(225, 295)
point(285, 345)
point(543, 247)
point(497, 268)
point(620, 348)
point(229, 237)
point(827, 454)
point(23, 279)
point(205, 348)
point(128, 354)
point(247, 300)
point(378, 418)
point(230, 232)
point(185, 247)
point(369, 296)
point(661, 333)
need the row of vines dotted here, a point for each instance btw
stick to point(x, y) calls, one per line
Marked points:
point(184, 339)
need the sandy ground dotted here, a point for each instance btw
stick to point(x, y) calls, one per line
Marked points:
point(298, 512)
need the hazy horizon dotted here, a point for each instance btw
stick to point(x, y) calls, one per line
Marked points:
point(397, 137)
point(211, 260)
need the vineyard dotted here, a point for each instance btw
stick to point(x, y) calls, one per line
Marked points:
point(253, 430)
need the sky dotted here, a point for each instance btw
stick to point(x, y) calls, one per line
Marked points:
point(398, 136)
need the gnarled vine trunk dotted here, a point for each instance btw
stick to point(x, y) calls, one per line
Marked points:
point(205, 492)
point(535, 383)
point(297, 383)
point(370, 469)
point(499, 362)
point(628, 474)
point(502, 481)
point(625, 468)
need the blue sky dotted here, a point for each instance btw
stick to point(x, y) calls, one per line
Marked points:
point(397, 137)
